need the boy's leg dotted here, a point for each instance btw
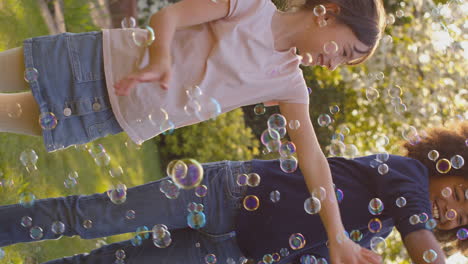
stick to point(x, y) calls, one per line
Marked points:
point(19, 113)
point(12, 71)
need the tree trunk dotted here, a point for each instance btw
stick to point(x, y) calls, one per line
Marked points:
point(48, 18)
point(59, 17)
point(100, 13)
point(122, 8)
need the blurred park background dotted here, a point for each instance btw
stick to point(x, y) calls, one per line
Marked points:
point(416, 79)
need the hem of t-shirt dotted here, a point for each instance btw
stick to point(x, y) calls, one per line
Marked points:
point(110, 84)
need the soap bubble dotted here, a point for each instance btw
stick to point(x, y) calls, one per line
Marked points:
point(196, 220)
point(423, 218)
point(193, 177)
point(70, 183)
point(58, 228)
point(26, 221)
point(251, 202)
point(294, 124)
point(242, 179)
point(128, 22)
point(87, 224)
point(446, 192)
point(275, 196)
point(199, 208)
point(48, 120)
point(322, 261)
point(259, 109)
point(339, 195)
point(287, 149)
point(210, 259)
point(319, 193)
point(142, 231)
point(374, 163)
point(330, 48)
point(351, 151)
point(120, 254)
point(116, 172)
point(284, 252)
point(431, 224)
point(324, 120)
point(308, 259)
point(268, 259)
point(118, 194)
point(400, 202)
point(136, 241)
point(158, 231)
point(334, 109)
point(414, 220)
point(191, 206)
point(289, 164)
point(36, 233)
point(276, 257)
point(253, 180)
point(382, 141)
point(433, 155)
point(269, 135)
point(372, 94)
point(378, 245)
point(172, 192)
point(312, 205)
point(297, 241)
point(276, 121)
point(2, 253)
point(375, 225)
point(130, 214)
point(27, 199)
point(337, 148)
point(383, 169)
point(462, 234)
point(376, 206)
point(14, 110)
point(382, 157)
point(31, 75)
point(429, 256)
point(320, 10)
point(457, 162)
point(451, 214)
point(164, 240)
point(29, 159)
point(102, 159)
point(201, 190)
point(356, 235)
point(141, 41)
point(337, 136)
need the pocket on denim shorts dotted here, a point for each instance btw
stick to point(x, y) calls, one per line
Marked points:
point(108, 125)
point(86, 58)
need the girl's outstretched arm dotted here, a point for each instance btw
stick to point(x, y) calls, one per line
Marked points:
point(314, 166)
point(419, 243)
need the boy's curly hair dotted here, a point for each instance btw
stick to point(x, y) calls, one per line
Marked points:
point(448, 141)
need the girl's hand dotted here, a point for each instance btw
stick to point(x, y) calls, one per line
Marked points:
point(348, 252)
point(158, 71)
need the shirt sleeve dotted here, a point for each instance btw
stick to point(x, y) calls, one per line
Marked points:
point(239, 8)
point(406, 178)
point(296, 92)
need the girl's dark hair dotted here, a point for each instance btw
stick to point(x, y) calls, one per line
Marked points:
point(448, 141)
point(366, 18)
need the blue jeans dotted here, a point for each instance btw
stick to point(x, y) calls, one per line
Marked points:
point(221, 205)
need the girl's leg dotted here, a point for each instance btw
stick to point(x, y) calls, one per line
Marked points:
point(19, 113)
point(188, 246)
point(12, 71)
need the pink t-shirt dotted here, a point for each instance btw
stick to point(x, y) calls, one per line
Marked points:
point(231, 60)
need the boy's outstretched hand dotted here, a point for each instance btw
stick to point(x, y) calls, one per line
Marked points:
point(348, 252)
point(160, 71)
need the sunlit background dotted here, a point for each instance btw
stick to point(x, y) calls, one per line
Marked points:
point(416, 79)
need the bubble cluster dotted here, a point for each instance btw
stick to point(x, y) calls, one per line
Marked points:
point(376, 206)
point(275, 196)
point(374, 225)
point(312, 205)
point(400, 202)
point(429, 256)
point(118, 194)
point(378, 245)
point(251, 203)
point(169, 189)
point(297, 241)
point(161, 236)
point(185, 173)
point(462, 234)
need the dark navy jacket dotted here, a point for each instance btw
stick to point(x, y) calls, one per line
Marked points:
point(267, 230)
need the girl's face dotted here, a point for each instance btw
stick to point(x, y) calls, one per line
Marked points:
point(449, 199)
point(330, 46)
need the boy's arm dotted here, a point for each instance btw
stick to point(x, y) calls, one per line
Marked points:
point(182, 14)
point(418, 242)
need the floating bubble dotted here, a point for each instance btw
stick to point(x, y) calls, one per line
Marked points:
point(343, 129)
point(374, 225)
point(177, 169)
point(116, 172)
point(457, 162)
point(382, 141)
point(431, 224)
point(14, 110)
point(118, 194)
point(400, 202)
point(163, 241)
point(297, 241)
point(210, 259)
point(172, 192)
point(275, 196)
point(282, 132)
point(168, 127)
point(70, 183)
point(324, 120)
point(36, 233)
point(451, 214)
point(27, 199)
point(31, 75)
point(322, 261)
point(334, 109)
point(251, 203)
point(242, 179)
point(289, 164)
point(379, 76)
point(193, 177)
point(308, 259)
point(276, 257)
point(337, 148)
point(26, 221)
point(87, 224)
point(312, 205)
point(390, 19)
point(382, 157)
point(443, 166)
point(339, 195)
point(446, 192)
point(410, 133)
point(120, 254)
point(276, 121)
point(287, 149)
point(376, 206)
point(429, 256)
point(128, 22)
point(294, 124)
point(199, 208)
point(462, 234)
point(142, 231)
point(136, 241)
point(191, 206)
point(259, 109)
point(400, 13)
point(356, 235)
point(330, 48)
point(140, 41)
point(29, 159)
point(269, 135)
point(338, 137)
point(58, 228)
point(196, 220)
point(48, 120)
point(351, 151)
point(319, 193)
point(253, 180)
point(423, 218)
point(320, 10)
point(102, 160)
point(164, 185)
point(307, 60)
point(372, 94)
point(267, 258)
point(383, 169)
point(378, 245)
point(433, 155)
point(414, 219)
point(158, 231)
point(400, 108)
point(284, 252)
point(201, 190)
point(130, 214)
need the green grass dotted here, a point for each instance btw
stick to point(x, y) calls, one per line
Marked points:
point(139, 166)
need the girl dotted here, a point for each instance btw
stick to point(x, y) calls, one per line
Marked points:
point(412, 187)
point(209, 57)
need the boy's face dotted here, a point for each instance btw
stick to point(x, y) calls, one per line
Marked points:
point(449, 199)
point(330, 46)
